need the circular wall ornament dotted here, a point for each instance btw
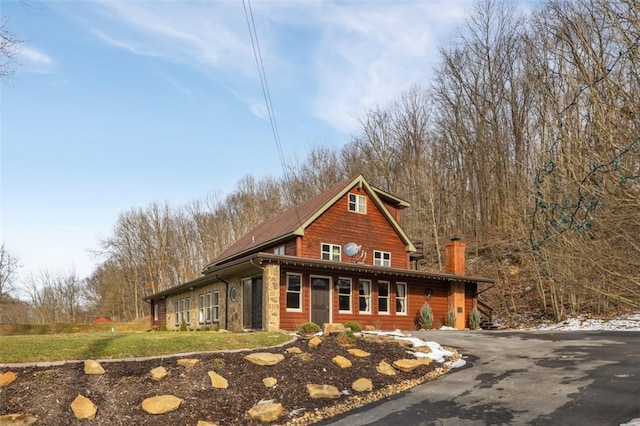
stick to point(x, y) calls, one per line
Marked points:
point(233, 294)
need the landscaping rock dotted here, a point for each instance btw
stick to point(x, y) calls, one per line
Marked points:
point(333, 329)
point(294, 350)
point(359, 353)
point(270, 381)
point(341, 361)
point(323, 391)
point(407, 365)
point(264, 358)
point(267, 412)
point(314, 342)
point(17, 420)
point(159, 373)
point(93, 367)
point(188, 362)
point(385, 368)
point(161, 404)
point(362, 385)
point(217, 381)
point(205, 423)
point(83, 408)
point(7, 378)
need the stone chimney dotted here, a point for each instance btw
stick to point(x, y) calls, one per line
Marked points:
point(454, 257)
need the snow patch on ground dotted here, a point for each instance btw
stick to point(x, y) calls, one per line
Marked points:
point(624, 323)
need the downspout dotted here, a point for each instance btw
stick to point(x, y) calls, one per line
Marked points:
point(226, 302)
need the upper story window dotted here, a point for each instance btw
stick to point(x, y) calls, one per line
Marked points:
point(279, 250)
point(330, 252)
point(382, 258)
point(357, 203)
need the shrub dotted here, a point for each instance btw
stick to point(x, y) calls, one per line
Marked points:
point(346, 338)
point(451, 318)
point(216, 328)
point(474, 319)
point(183, 325)
point(354, 326)
point(309, 328)
point(425, 317)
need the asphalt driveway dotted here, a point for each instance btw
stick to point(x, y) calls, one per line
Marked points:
point(522, 378)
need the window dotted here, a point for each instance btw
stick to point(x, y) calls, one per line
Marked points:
point(279, 250)
point(187, 310)
point(181, 311)
point(357, 203)
point(176, 309)
point(294, 292)
point(383, 297)
point(401, 298)
point(364, 290)
point(331, 252)
point(382, 258)
point(156, 312)
point(216, 306)
point(201, 309)
point(207, 307)
point(344, 294)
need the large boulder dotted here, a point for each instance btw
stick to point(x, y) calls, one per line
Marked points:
point(161, 404)
point(266, 412)
point(408, 365)
point(217, 381)
point(93, 367)
point(341, 361)
point(6, 378)
point(83, 408)
point(16, 419)
point(264, 358)
point(323, 391)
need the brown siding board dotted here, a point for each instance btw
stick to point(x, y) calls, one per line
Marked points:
point(339, 226)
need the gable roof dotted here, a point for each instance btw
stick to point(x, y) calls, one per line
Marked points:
point(295, 220)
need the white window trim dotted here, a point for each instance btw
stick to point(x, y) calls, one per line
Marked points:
point(187, 310)
point(360, 203)
point(370, 311)
point(331, 248)
point(379, 258)
point(176, 308)
point(406, 299)
point(388, 297)
point(286, 293)
point(215, 305)
point(201, 308)
point(207, 308)
point(344, 295)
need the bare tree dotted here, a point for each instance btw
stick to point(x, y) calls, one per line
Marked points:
point(8, 269)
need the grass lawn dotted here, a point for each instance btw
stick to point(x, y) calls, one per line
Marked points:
point(100, 345)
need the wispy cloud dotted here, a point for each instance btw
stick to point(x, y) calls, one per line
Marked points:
point(34, 60)
point(336, 59)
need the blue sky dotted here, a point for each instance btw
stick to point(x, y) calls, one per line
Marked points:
point(118, 104)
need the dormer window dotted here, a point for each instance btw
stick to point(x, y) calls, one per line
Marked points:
point(357, 203)
point(331, 252)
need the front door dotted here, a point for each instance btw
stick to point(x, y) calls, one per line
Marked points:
point(320, 301)
point(252, 303)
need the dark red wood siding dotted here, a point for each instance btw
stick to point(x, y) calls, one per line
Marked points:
point(435, 293)
point(337, 225)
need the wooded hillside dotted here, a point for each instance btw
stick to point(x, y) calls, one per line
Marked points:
point(526, 145)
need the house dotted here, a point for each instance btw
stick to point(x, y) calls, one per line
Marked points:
point(339, 256)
